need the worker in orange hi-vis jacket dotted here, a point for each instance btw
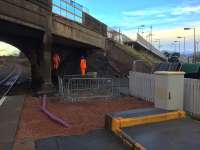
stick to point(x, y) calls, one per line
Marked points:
point(55, 66)
point(83, 66)
point(56, 61)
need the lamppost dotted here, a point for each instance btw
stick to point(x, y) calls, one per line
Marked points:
point(179, 45)
point(117, 29)
point(195, 52)
point(174, 44)
point(184, 39)
point(158, 40)
point(140, 27)
point(198, 53)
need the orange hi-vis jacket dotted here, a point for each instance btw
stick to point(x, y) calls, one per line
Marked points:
point(56, 61)
point(83, 66)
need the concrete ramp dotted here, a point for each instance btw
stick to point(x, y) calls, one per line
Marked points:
point(155, 129)
point(171, 135)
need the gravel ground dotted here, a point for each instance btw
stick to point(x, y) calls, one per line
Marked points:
point(82, 116)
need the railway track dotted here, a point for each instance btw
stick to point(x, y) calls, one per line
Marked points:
point(9, 75)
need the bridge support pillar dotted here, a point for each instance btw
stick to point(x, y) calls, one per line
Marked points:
point(36, 73)
point(46, 67)
point(47, 48)
point(46, 64)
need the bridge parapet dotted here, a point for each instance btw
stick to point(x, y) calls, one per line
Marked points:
point(77, 32)
point(94, 24)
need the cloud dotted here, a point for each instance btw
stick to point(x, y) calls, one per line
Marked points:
point(144, 12)
point(186, 10)
point(163, 11)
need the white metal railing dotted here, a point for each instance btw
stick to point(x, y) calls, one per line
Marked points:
point(192, 96)
point(149, 46)
point(117, 36)
point(142, 85)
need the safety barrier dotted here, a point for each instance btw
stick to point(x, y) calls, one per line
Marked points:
point(75, 88)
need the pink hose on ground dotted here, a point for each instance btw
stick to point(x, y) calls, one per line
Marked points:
point(51, 115)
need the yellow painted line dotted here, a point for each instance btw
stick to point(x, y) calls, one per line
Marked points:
point(119, 123)
point(167, 73)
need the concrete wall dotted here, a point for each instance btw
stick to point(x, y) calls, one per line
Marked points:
point(120, 60)
point(116, 52)
point(123, 57)
point(94, 24)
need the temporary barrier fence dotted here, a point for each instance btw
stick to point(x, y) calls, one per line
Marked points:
point(85, 88)
point(76, 87)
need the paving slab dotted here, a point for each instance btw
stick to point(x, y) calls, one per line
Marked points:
point(181, 134)
point(96, 140)
point(9, 118)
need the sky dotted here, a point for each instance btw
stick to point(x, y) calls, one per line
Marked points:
point(7, 50)
point(168, 18)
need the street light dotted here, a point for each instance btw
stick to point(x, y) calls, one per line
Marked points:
point(140, 27)
point(195, 52)
point(182, 37)
point(174, 46)
point(158, 40)
point(179, 46)
point(117, 29)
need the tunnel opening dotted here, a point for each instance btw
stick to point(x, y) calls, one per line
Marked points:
point(15, 70)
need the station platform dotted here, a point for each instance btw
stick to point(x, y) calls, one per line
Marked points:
point(141, 129)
